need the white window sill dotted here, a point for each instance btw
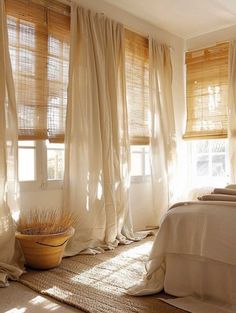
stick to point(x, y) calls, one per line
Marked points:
point(37, 186)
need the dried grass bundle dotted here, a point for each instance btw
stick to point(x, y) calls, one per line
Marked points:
point(43, 222)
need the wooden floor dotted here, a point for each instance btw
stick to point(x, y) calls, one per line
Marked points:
point(18, 298)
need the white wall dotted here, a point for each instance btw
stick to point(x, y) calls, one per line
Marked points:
point(141, 202)
point(209, 39)
point(51, 199)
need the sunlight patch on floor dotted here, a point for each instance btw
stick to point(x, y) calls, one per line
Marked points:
point(51, 306)
point(113, 272)
point(44, 303)
point(141, 249)
point(16, 310)
point(37, 300)
point(56, 290)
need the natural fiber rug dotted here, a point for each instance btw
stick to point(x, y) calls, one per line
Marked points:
point(97, 283)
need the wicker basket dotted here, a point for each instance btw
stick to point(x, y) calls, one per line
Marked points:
point(44, 251)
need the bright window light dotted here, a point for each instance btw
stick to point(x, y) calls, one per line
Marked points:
point(55, 161)
point(140, 161)
point(209, 163)
point(26, 165)
point(16, 310)
point(136, 163)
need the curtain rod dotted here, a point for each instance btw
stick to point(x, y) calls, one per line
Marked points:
point(69, 2)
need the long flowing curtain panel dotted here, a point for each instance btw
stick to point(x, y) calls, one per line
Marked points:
point(96, 184)
point(163, 133)
point(232, 111)
point(9, 256)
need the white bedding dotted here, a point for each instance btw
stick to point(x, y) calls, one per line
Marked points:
point(201, 230)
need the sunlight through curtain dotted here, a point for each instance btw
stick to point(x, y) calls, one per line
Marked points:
point(96, 147)
point(232, 111)
point(163, 133)
point(9, 267)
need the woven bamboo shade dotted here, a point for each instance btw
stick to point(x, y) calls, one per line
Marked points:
point(39, 34)
point(137, 87)
point(207, 89)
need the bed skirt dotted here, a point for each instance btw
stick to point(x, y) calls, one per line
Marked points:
point(208, 285)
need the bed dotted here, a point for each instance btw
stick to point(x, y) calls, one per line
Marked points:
point(194, 257)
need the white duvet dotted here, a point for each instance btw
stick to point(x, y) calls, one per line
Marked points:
point(204, 229)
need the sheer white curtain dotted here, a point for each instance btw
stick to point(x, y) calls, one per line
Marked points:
point(9, 267)
point(163, 134)
point(97, 151)
point(232, 111)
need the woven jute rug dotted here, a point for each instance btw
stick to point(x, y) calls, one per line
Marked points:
point(97, 283)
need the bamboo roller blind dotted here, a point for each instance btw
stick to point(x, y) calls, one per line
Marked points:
point(207, 88)
point(39, 34)
point(137, 87)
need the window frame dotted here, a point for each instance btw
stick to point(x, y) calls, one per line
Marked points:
point(143, 177)
point(41, 181)
point(197, 181)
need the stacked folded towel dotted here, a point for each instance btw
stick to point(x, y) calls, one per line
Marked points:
point(221, 194)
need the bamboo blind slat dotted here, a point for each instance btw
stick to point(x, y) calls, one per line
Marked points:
point(39, 49)
point(137, 87)
point(207, 90)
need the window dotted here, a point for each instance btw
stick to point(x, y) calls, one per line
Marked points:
point(27, 160)
point(207, 88)
point(39, 34)
point(41, 164)
point(137, 87)
point(137, 91)
point(209, 165)
point(39, 48)
point(39, 37)
point(140, 163)
point(55, 161)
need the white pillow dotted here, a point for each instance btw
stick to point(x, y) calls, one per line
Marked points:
point(195, 193)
